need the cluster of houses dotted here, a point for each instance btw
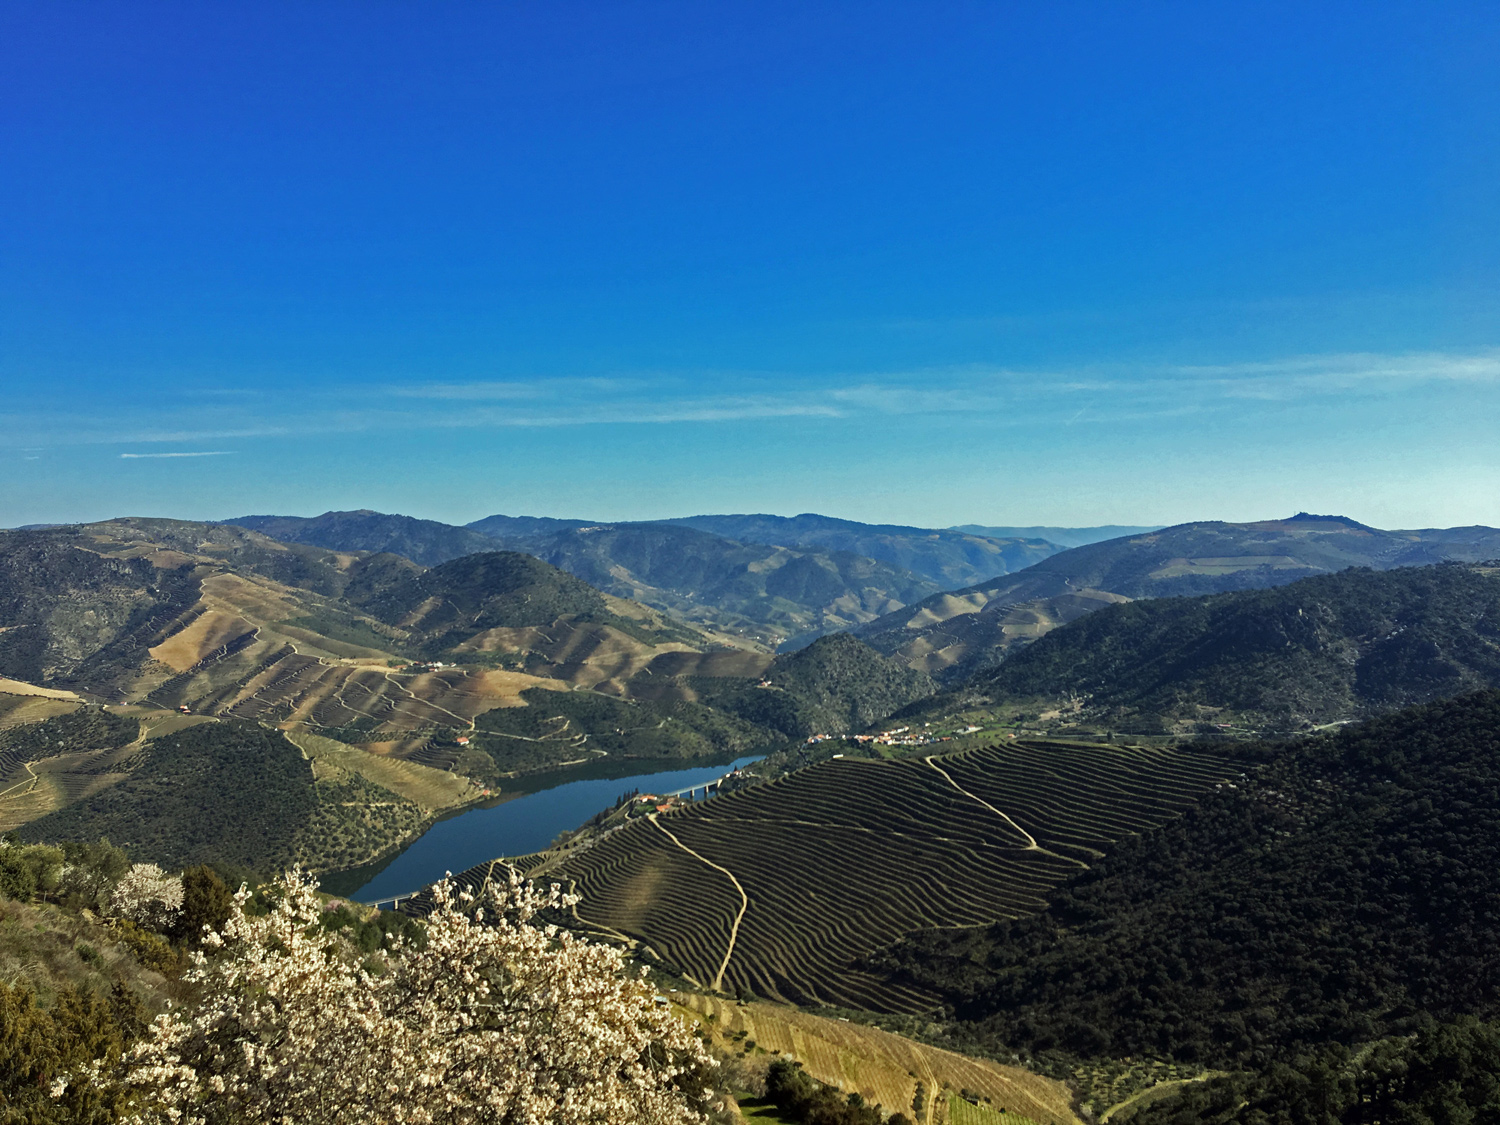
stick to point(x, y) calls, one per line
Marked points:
point(900, 736)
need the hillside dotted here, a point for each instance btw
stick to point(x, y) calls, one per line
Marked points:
point(954, 635)
point(1344, 890)
point(766, 593)
point(784, 888)
point(950, 558)
point(403, 692)
point(834, 685)
point(1321, 650)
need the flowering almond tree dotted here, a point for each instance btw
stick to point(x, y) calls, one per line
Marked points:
point(496, 1019)
point(148, 895)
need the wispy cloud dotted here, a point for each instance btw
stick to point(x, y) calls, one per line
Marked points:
point(1093, 395)
point(194, 453)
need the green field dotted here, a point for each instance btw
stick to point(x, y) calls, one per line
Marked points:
point(783, 889)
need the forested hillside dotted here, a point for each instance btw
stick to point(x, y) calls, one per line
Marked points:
point(836, 684)
point(762, 591)
point(1325, 649)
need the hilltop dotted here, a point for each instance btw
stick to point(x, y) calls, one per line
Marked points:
point(954, 635)
point(767, 593)
point(1328, 649)
point(426, 542)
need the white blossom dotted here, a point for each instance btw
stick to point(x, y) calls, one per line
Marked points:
point(148, 895)
point(495, 1020)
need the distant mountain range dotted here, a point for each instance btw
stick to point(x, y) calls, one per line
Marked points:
point(953, 635)
point(948, 557)
point(1062, 536)
point(780, 581)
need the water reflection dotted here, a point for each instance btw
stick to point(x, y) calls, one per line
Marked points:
point(518, 825)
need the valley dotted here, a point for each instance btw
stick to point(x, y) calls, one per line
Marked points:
point(941, 806)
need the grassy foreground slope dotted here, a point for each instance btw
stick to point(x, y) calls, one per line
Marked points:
point(783, 889)
point(885, 1069)
point(1338, 647)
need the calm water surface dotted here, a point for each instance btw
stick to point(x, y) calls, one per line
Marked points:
point(515, 827)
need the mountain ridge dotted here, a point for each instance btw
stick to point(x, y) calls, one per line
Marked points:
point(955, 634)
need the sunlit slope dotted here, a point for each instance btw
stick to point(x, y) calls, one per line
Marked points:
point(886, 1069)
point(234, 623)
point(956, 634)
point(781, 890)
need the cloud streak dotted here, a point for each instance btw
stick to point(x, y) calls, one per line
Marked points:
point(194, 453)
point(994, 396)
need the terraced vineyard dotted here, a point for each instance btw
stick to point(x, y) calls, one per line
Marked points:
point(783, 889)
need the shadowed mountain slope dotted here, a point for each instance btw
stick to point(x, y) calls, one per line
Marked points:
point(1328, 649)
point(951, 557)
point(954, 635)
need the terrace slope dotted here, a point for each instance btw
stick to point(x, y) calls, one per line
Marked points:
point(782, 889)
point(955, 635)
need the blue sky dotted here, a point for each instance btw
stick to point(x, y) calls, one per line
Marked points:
point(927, 263)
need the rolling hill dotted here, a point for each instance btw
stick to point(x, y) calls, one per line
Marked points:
point(1322, 650)
point(954, 635)
point(773, 595)
point(835, 685)
point(426, 542)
